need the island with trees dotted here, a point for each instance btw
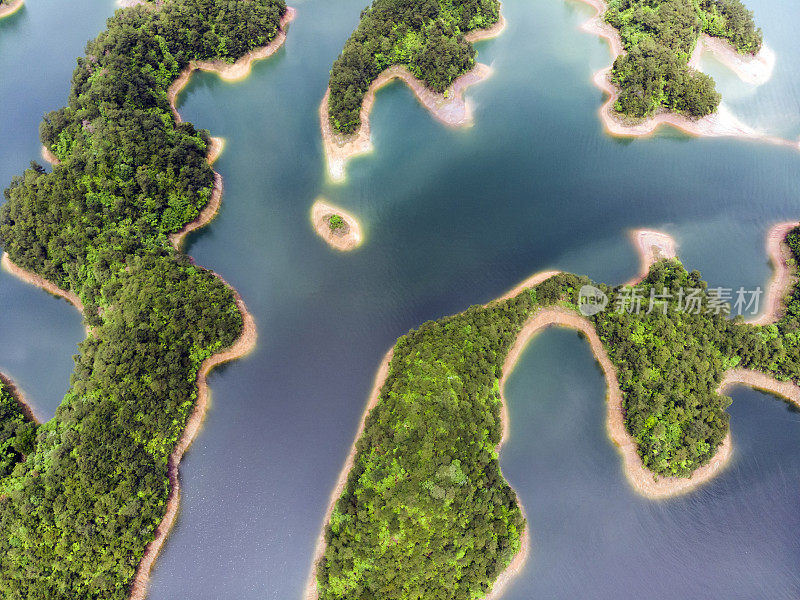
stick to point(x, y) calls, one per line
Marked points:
point(337, 227)
point(655, 78)
point(422, 509)
point(428, 44)
point(87, 498)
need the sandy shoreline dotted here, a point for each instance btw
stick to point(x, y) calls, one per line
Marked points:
point(7, 10)
point(321, 211)
point(782, 280)
point(319, 550)
point(227, 71)
point(755, 70)
point(245, 344)
point(48, 156)
point(652, 246)
point(13, 389)
point(41, 282)
point(449, 108)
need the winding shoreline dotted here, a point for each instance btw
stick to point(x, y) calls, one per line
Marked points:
point(782, 280)
point(13, 389)
point(40, 282)
point(321, 211)
point(755, 70)
point(6, 10)
point(449, 108)
point(651, 246)
point(227, 71)
point(244, 344)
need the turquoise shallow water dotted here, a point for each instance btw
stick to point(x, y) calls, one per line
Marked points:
point(452, 218)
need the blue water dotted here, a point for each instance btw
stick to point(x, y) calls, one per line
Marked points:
point(452, 218)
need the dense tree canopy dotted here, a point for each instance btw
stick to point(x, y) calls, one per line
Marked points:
point(426, 512)
point(78, 511)
point(17, 433)
point(659, 37)
point(427, 36)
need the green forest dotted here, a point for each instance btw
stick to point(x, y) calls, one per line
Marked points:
point(659, 37)
point(81, 495)
point(427, 36)
point(426, 512)
point(17, 433)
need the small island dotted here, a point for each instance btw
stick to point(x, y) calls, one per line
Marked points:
point(423, 474)
point(338, 228)
point(431, 51)
point(655, 79)
point(9, 7)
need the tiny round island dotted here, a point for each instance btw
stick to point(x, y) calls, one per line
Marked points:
point(338, 228)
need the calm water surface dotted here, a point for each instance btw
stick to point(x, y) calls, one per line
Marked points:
point(452, 218)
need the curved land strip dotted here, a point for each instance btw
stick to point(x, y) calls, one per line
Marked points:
point(193, 320)
point(755, 70)
point(783, 278)
point(8, 9)
point(449, 108)
point(657, 252)
point(245, 344)
point(41, 282)
point(229, 72)
point(344, 237)
point(639, 477)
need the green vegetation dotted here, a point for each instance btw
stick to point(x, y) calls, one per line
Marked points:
point(426, 512)
point(336, 222)
point(659, 37)
point(77, 513)
point(17, 433)
point(427, 36)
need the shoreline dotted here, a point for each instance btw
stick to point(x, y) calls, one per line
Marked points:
point(48, 156)
point(244, 344)
point(782, 279)
point(756, 70)
point(40, 282)
point(449, 108)
point(651, 246)
point(322, 210)
point(311, 591)
point(641, 479)
point(6, 10)
point(229, 72)
point(12, 388)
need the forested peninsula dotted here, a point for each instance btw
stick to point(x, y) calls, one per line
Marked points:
point(659, 38)
point(83, 495)
point(424, 509)
point(425, 43)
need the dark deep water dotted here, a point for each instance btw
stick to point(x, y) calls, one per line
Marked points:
point(452, 218)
